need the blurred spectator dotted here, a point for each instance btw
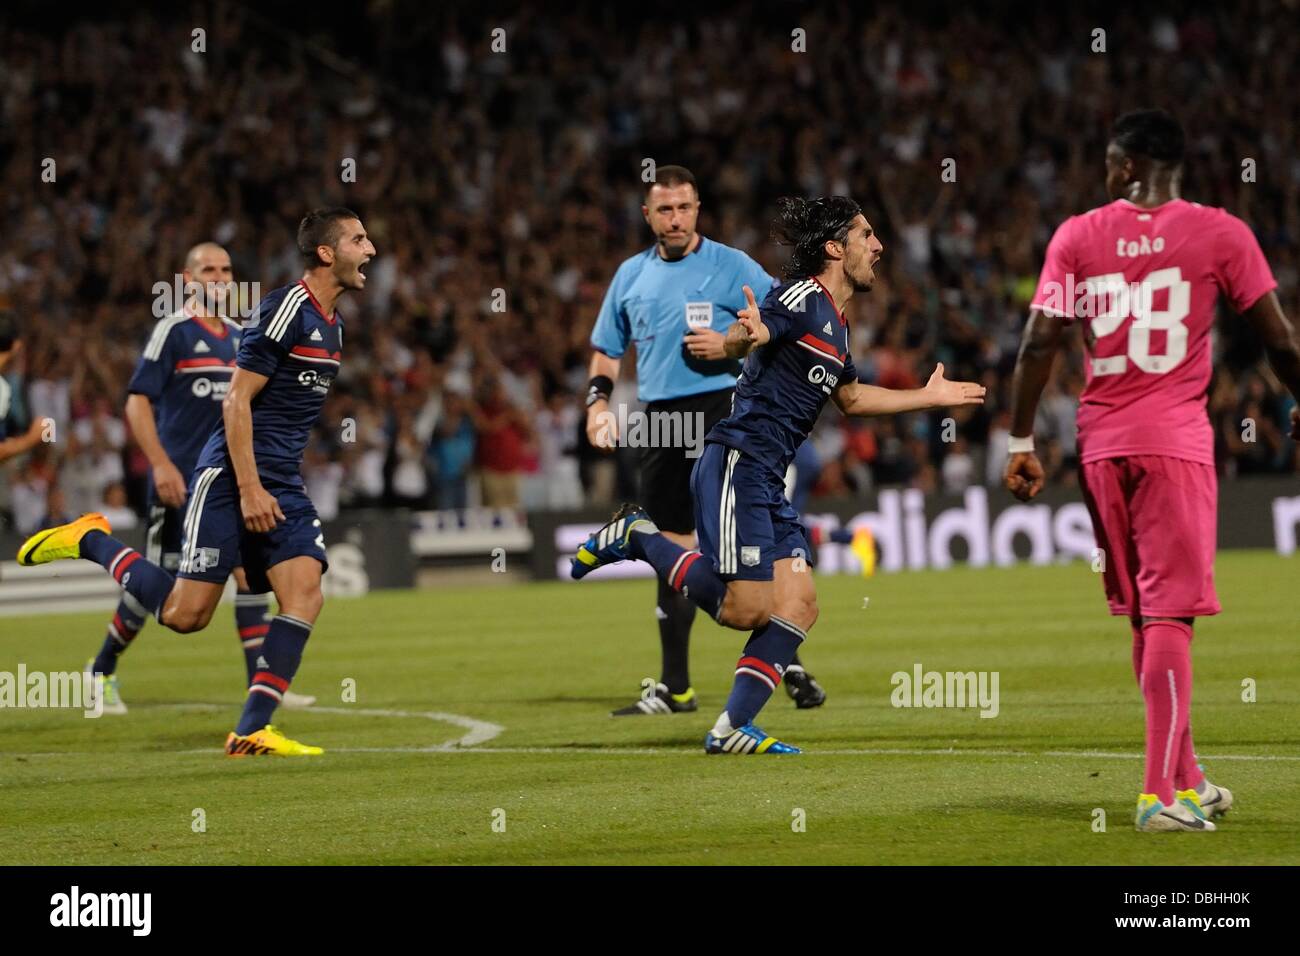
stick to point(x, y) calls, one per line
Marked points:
point(452, 451)
point(114, 507)
point(503, 435)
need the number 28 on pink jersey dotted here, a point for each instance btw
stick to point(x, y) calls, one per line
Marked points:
point(1146, 282)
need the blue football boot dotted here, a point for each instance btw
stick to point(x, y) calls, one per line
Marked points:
point(747, 740)
point(609, 544)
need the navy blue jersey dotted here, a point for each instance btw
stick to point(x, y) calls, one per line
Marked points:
point(185, 372)
point(786, 382)
point(299, 350)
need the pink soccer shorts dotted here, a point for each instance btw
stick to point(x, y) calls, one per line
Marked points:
point(1155, 518)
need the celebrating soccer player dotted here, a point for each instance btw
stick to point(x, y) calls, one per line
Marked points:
point(749, 572)
point(184, 372)
point(672, 300)
point(246, 500)
point(1145, 273)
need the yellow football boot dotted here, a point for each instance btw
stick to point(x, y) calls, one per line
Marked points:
point(55, 544)
point(267, 742)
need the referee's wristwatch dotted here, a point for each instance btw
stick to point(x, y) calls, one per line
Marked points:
point(598, 389)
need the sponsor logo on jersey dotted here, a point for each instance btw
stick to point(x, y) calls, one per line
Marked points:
point(826, 329)
point(819, 376)
point(206, 388)
point(201, 347)
point(314, 379)
point(316, 336)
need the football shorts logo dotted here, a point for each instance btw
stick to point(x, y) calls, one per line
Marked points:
point(699, 315)
point(205, 558)
point(750, 556)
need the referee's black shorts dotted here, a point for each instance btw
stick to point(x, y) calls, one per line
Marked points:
point(665, 473)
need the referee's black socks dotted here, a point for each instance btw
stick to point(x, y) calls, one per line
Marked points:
point(675, 614)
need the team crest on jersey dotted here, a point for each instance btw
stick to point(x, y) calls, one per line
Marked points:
point(750, 556)
point(699, 315)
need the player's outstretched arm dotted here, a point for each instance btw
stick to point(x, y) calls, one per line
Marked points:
point(167, 479)
point(748, 332)
point(859, 399)
point(1279, 339)
point(1024, 475)
point(13, 447)
point(260, 509)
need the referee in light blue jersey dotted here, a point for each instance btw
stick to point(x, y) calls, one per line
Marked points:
point(675, 301)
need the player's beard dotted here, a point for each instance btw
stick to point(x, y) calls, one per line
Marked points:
point(863, 284)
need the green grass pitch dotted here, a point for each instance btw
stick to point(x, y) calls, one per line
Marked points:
point(546, 663)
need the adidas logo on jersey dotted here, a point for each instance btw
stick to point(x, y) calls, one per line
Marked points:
point(315, 335)
point(826, 329)
point(201, 347)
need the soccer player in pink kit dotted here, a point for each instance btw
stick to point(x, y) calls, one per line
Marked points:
point(1144, 274)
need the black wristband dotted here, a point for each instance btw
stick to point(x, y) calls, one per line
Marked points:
point(599, 388)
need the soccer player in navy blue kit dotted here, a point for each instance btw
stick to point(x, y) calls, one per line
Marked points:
point(673, 301)
point(246, 499)
point(174, 405)
point(748, 572)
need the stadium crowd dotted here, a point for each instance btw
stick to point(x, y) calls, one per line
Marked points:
point(502, 190)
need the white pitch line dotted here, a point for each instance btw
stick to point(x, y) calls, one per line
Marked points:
point(862, 752)
point(481, 731)
point(478, 731)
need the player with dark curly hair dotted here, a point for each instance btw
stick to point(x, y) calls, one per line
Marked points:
point(748, 571)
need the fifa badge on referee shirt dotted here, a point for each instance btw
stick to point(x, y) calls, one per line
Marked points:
point(699, 315)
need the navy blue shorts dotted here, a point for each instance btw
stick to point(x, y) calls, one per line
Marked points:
point(742, 518)
point(162, 545)
point(215, 541)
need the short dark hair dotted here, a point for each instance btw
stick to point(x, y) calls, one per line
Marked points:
point(1151, 133)
point(9, 330)
point(807, 224)
point(672, 176)
point(320, 227)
